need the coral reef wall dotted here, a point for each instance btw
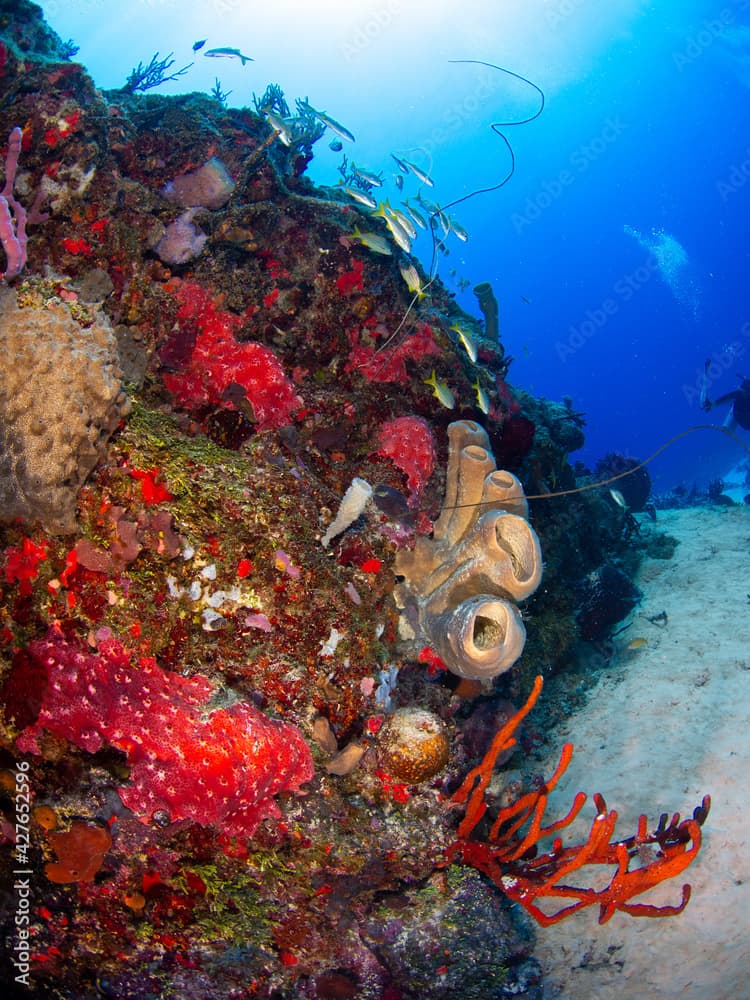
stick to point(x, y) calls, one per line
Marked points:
point(235, 772)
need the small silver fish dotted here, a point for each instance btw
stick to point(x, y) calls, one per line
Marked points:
point(400, 164)
point(442, 218)
point(459, 231)
point(333, 125)
point(415, 215)
point(367, 176)
point(429, 206)
point(361, 197)
point(419, 174)
point(227, 53)
point(282, 127)
point(619, 499)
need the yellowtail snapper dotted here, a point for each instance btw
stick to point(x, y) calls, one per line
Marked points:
point(440, 390)
point(483, 400)
point(403, 220)
point(373, 241)
point(467, 340)
point(397, 231)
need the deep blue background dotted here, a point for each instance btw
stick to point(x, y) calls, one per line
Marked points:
point(646, 119)
point(681, 127)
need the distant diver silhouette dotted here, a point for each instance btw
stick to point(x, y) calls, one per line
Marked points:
point(738, 414)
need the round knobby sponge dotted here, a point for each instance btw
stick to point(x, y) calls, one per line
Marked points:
point(413, 745)
point(61, 397)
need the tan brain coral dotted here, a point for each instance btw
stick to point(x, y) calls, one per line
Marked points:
point(459, 588)
point(61, 397)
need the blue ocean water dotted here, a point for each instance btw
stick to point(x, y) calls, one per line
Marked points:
point(617, 249)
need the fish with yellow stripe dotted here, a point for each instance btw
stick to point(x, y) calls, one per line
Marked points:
point(441, 391)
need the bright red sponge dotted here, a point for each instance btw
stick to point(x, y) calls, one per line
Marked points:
point(219, 366)
point(220, 768)
point(410, 445)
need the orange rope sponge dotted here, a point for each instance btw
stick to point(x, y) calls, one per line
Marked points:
point(510, 854)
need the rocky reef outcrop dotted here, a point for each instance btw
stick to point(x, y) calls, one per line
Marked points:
point(171, 540)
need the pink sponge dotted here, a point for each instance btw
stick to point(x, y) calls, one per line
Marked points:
point(410, 445)
point(219, 768)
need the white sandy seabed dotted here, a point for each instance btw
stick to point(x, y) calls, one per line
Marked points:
point(666, 724)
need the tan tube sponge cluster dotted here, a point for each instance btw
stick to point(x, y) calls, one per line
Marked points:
point(457, 589)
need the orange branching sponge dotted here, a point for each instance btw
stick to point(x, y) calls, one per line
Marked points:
point(509, 855)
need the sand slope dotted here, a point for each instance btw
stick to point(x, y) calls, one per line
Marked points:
point(665, 725)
